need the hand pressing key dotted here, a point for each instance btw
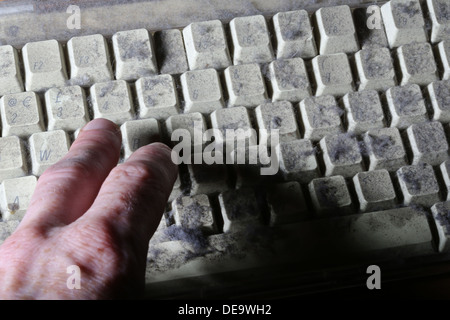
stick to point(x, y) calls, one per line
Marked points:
point(88, 212)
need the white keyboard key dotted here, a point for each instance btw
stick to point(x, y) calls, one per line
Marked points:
point(202, 91)
point(157, 97)
point(320, 116)
point(417, 64)
point(441, 215)
point(170, 51)
point(89, 60)
point(138, 133)
point(194, 213)
point(439, 14)
point(341, 155)
point(385, 149)
point(15, 196)
point(336, 30)
point(294, 35)
point(13, 162)
point(194, 124)
point(375, 69)
point(176, 190)
point(134, 54)
point(297, 160)
point(206, 45)
point(66, 108)
point(439, 94)
point(404, 22)
point(236, 118)
point(363, 111)
point(330, 196)
point(245, 84)
point(406, 105)
point(47, 148)
point(427, 143)
point(375, 190)
point(445, 169)
point(207, 178)
point(289, 80)
point(333, 74)
point(419, 185)
point(10, 76)
point(112, 101)
point(44, 65)
point(277, 116)
point(444, 56)
point(21, 114)
point(251, 41)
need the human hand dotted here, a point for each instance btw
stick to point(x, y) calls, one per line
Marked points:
point(88, 212)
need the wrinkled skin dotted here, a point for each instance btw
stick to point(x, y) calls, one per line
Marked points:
point(89, 212)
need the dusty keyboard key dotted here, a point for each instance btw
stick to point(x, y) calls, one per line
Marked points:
point(251, 41)
point(385, 149)
point(439, 95)
point(417, 63)
point(375, 69)
point(444, 56)
point(406, 106)
point(138, 133)
point(363, 111)
point(239, 209)
point(21, 114)
point(47, 148)
point(66, 108)
point(370, 29)
point(13, 162)
point(112, 101)
point(286, 203)
point(277, 116)
point(194, 213)
point(320, 116)
point(157, 97)
point(330, 196)
point(134, 54)
point(15, 196)
point(289, 80)
point(245, 85)
point(233, 119)
point(294, 35)
point(441, 215)
point(192, 124)
point(89, 60)
point(207, 178)
point(341, 155)
point(375, 190)
point(332, 74)
point(206, 45)
point(202, 91)
point(44, 65)
point(418, 184)
point(10, 76)
point(427, 143)
point(170, 52)
point(439, 11)
point(336, 30)
point(404, 22)
point(297, 160)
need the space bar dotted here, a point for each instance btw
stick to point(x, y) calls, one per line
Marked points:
point(337, 241)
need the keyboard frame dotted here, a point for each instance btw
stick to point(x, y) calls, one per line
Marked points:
point(25, 21)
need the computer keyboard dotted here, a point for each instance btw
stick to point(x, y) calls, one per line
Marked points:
point(363, 113)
